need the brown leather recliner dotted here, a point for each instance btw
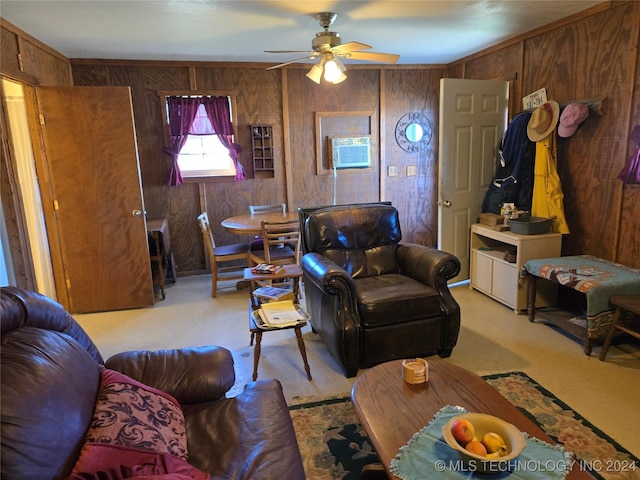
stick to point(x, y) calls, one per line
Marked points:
point(51, 379)
point(372, 298)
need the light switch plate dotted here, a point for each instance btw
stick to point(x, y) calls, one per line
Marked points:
point(392, 171)
point(412, 170)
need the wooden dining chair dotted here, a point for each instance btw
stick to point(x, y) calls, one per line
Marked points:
point(224, 253)
point(257, 209)
point(280, 243)
point(256, 244)
point(280, 246)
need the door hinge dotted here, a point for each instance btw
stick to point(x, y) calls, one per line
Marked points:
point(20, 62)
point(56, 207)
point(68, 282)
point(41, 117)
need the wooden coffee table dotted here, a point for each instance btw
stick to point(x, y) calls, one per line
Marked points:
point(392, 411)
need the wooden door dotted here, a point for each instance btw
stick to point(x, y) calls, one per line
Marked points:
point(92, 159)
point(473, 118)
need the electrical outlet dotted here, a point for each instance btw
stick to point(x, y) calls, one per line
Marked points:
point(392, 171)
point(412, 170)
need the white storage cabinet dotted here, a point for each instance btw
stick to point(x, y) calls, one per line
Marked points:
point(494, 276)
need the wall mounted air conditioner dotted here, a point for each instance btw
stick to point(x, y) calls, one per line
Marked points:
point(349, 151)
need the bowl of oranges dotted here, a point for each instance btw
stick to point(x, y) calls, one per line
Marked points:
point(486, 443)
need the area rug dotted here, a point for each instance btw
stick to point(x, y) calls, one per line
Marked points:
point(335, 446)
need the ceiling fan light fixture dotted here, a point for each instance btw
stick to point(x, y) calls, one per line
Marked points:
point(328, 46)
point(332, 72)
point(340, 79)
point(315, 73)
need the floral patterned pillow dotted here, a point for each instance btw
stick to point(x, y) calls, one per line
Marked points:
point(131, 414)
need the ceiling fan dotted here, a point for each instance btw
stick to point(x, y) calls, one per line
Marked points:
point(329, 48)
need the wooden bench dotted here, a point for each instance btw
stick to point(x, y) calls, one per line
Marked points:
point(596, 278)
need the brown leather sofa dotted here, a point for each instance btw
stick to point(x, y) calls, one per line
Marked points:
point(53, 376)
point(371, 297)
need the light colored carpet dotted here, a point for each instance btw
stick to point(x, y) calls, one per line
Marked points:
point(492, 340)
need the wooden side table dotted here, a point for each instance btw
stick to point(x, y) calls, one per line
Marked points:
point(628, 303)
point(290, 270)
point(294, 272)
point(256, 332)
point(160, 252)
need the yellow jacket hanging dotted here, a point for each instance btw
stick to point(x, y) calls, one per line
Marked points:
point(548, 199)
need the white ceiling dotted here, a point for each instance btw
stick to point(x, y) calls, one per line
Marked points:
point(421, 31)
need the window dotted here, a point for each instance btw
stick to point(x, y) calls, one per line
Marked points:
point(204, 155)
point(201, 138)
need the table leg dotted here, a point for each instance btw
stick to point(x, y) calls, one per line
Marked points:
point(531, 296)
point(256, 355)
point(303, 351)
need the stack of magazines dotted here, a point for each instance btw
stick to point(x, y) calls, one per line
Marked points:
point(273, 294)
point(279, 314)
point(266, 268)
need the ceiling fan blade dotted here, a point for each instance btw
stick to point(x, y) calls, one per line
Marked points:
point(308, 57)
point(373, 57)
point(289, 51)
point(350, 47)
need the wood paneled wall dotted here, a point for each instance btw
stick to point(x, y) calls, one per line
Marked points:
point(287, 100)
point(415, 197)
point(27, 59)
point(258, 101)
point(592, 55)
point(359, 93)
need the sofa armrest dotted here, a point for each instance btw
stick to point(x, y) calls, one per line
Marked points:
point(427, 265)
point(332, 298)
point(190, 375)
point(434, 268)
point(326, 275)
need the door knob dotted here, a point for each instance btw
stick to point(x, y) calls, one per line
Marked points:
point(136, 213)
point(446, 204)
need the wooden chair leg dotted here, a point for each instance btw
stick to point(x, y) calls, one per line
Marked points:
point(612, 331)
point(256, 355)
point(214, 279)
point(303, 352)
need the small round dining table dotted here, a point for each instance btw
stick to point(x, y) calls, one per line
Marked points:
point(252, 224)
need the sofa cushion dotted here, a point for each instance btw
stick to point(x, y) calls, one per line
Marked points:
point(136, 430)
point(387, 299)
point(249, 436)
point(131, 414)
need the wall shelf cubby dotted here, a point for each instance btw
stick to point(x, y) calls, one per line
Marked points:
point(262, 148)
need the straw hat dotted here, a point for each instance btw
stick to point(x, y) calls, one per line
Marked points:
point(543, 121)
